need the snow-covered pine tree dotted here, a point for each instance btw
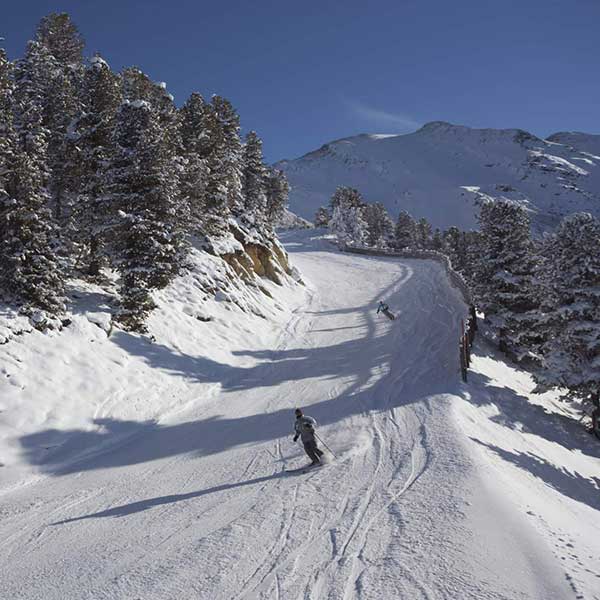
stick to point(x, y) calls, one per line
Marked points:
point(504, 283)
point(347, 196)
point(147, 233)
point(214, 152)
point(437, 241)
point(229, 153)
point(347, 221)
point(196, 147)
point(90, 145)
point(61, 37)
point(63, 42)
point(423, 234)
point(380, 225)
point(7, 131)
point(405, 233)
point(277, 191)
point(322, 217)
point(471, 242)
point(455, 248)
point(570, 322)
point(32, 79)
point(31, 270)
point(8, 147)
point(254, 177)
point(138, 86)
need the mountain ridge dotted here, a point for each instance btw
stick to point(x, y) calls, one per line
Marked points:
point(442, 171)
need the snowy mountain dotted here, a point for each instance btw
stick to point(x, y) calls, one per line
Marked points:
point(442, 170)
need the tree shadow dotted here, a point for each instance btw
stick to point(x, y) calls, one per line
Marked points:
point(142, 505)
point(353, 361)
point(572, 485)
point(518, 413)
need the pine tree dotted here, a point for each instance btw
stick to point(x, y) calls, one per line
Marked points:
point(405, 234)
point(31, 270)
point(380, 225)
point(254, 181)
point(570, 320)
point(504, 277)
point(347, 221)
point(148, 239)
point(62, 38)
point(229, 152)
point(347, 196)
point(423, 234)
point(437, 241)
point(455, 248)
point(195, 173)
point(137, 86)
point(7, 132)
point(62, 104)
point(322, 217)
point(90, 146)
point(277, 190)
point(8, 148)
point(32, 81)
point(217, 186)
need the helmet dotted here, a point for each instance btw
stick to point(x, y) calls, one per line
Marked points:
point(298, 412)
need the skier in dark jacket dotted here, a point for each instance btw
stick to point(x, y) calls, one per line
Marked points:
point(304, 428)
point(385, 309)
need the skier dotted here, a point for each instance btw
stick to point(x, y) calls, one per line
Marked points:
point(385, 309)
point(305, 430)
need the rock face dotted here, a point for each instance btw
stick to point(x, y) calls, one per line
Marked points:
point(253, 255)
point(441, 171)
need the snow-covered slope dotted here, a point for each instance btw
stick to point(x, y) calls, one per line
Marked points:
point(178, 488)
point(439, 171)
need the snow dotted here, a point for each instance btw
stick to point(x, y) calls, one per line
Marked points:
point(153, 466)
point(98, 62)
point(138, 104)
point(441, 171)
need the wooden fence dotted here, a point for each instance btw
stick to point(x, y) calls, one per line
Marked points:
point(466, 341)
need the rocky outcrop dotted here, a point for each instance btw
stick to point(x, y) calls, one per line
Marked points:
point(253, 256)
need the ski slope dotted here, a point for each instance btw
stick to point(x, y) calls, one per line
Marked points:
point(420, 503)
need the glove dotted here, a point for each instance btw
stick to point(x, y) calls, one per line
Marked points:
point(295, 438)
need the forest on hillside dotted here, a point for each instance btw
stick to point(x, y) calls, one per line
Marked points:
point(101, 172)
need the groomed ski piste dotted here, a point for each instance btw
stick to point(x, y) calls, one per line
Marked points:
point(157, 469)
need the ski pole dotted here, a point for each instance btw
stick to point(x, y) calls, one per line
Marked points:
point(324, 444)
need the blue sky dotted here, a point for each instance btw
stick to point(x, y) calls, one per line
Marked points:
point(304, 73)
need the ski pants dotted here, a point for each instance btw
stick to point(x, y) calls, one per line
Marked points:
point(310, 447)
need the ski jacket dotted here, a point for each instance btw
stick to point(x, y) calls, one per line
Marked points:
point(382, 307)
point(305, 429)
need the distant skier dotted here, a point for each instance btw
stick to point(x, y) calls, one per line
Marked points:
point(305, 430)
point(385, 309)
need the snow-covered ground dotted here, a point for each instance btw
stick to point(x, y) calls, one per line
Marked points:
point(157, 469)
point(441, 171)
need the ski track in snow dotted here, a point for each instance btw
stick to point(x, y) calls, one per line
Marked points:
point(150, 517)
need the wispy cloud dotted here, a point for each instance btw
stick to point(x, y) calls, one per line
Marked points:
point(382, 118)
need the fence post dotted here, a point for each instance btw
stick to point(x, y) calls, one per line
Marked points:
point(473, 313)
point(463, 366)
point(462, 350)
